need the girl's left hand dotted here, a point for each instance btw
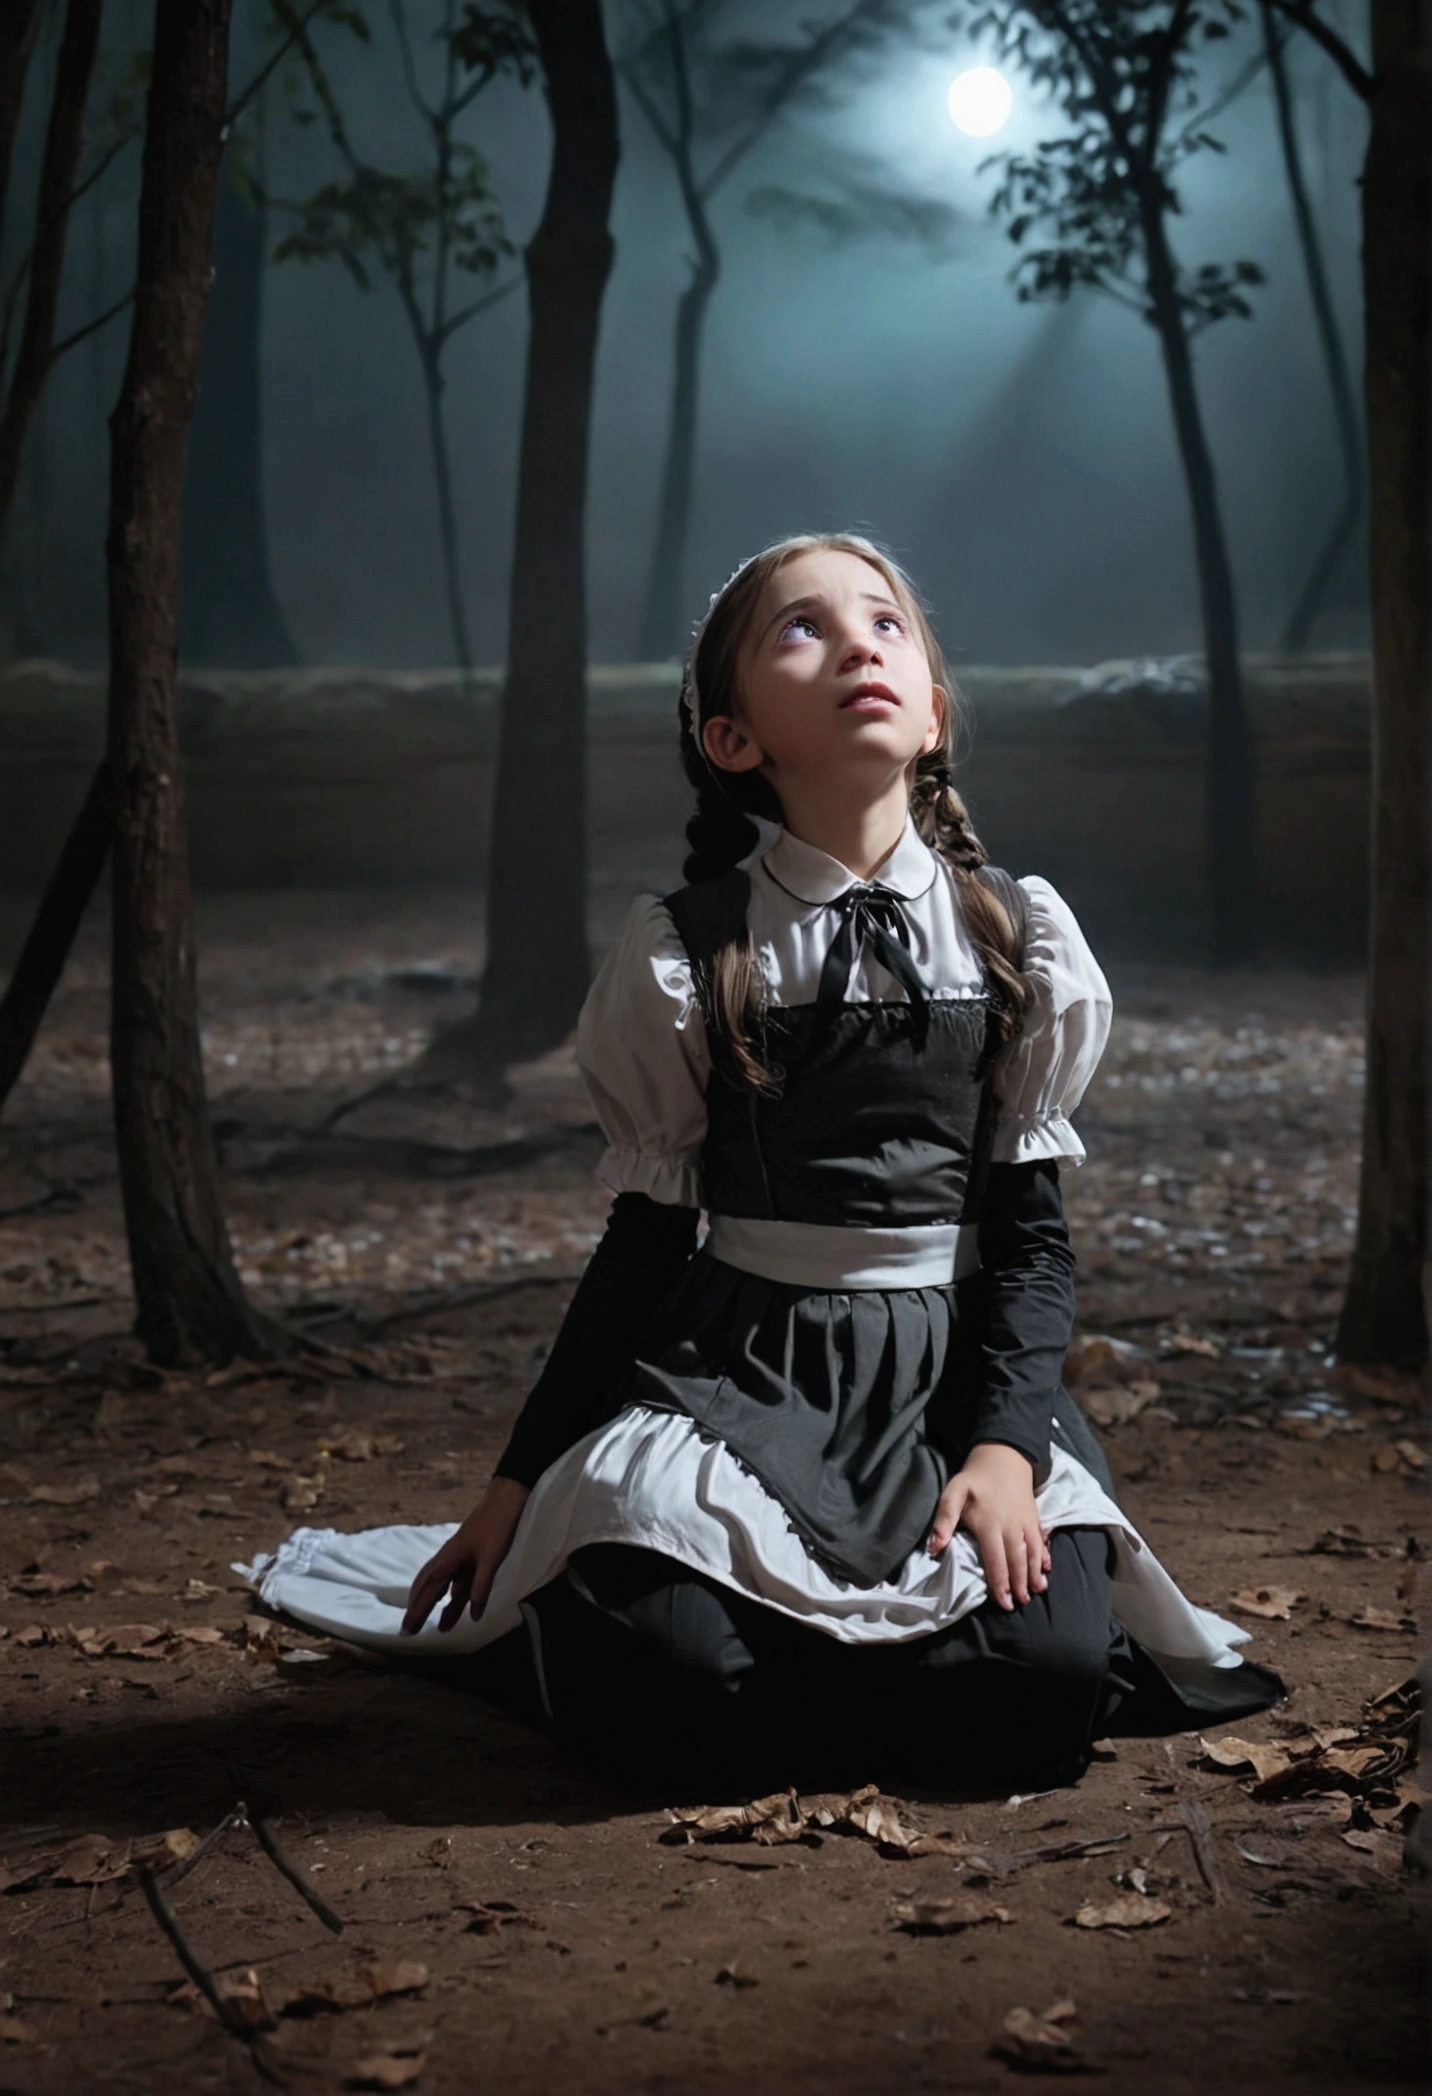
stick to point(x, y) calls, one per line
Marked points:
point(993, 1497)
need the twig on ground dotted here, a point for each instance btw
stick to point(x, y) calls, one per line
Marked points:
point(203, 1979)
point(289, 1870)
point(177, 1872)
point(1194, 1817)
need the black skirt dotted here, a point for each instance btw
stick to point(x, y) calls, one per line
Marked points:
point(661, 1678)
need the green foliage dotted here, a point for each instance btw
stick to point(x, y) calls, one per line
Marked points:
point(1125, 76)
point(373, 217)
point(412, 226)
point(490, 41)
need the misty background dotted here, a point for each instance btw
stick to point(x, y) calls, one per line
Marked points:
point(1019, 458)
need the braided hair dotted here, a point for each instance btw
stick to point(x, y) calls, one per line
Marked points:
point(722, 831)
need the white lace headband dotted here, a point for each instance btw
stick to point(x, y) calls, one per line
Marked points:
point(690, 705)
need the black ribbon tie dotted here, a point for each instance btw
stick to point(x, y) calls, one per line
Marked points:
point(871, 913)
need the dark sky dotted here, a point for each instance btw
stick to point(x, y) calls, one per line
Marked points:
point(1020, 458)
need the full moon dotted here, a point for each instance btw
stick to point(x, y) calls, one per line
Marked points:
point(980, 101)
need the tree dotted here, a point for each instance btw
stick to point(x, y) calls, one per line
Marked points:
point(418, 229)
point(191, 1306)
point(230, 614)
point(748, 84)
point(1340, 532)
point(538, 967)
point(82, 856)
point(45, 262)
point(1103, 192)
point(1385, 1314)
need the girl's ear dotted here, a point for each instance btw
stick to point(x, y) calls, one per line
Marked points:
point(939, 721)
point(728, 746)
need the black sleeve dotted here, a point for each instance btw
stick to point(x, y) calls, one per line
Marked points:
point(643, 1254)
point(1023, 1307)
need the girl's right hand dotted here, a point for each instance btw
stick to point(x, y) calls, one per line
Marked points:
point(468, 1561)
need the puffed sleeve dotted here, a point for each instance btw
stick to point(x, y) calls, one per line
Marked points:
point(643, 1052)
point(1043, 1073)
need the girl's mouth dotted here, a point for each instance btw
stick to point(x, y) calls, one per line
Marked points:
point(869, 694)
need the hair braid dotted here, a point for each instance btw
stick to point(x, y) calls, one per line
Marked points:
point(720, 834)
point(943, 821)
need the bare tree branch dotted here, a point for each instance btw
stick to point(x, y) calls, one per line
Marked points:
point(1302, 14)
point(241, 101)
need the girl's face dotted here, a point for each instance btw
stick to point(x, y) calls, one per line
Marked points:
point(833, 674)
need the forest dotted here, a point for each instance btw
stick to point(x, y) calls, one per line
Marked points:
point(388, 390)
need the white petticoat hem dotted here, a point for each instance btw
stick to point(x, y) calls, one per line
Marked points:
point(655, 1479)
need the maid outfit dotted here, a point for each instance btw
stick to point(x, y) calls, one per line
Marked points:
point(735, 1451)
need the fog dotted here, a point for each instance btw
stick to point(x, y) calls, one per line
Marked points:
point(1020, 458)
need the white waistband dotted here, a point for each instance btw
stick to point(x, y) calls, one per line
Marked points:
point(836, 1256)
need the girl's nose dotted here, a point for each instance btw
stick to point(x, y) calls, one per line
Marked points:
point(859, 647)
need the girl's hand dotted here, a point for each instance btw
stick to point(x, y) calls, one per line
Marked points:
point(993, 1497)
point(469, 1560)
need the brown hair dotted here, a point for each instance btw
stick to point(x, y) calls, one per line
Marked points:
point(721, 832)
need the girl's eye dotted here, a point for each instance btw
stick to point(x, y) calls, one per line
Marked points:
point(892, 619)
point(800, 620)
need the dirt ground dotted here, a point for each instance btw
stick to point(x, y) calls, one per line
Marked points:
point(507, 1924)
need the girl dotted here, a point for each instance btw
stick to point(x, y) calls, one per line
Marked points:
point(809, 1500)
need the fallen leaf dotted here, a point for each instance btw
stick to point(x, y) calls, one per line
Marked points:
point(879, 1817)
point(1113, 1404)
point(1354, 1761)
point(360, 1447)
point(43, 1586)
point(1044, 2043)
point(1393, 1456)
point(1346, 1541)
point(1274, 1604)
point(301, 1494)
point(1264, 1757)
point(1369, 1618)
point(90, 1859)
point(394, 2068)
point(401, 1976)
point(732, 1976)
point(373, 1982)
point(946, 1917)
point(325, 1997)
point(244, 1993)
point(177, 1845)
point(773, 1819)
point(33, 1634)
point(1188, 1343)
point(77, 1494)
point(1131, 1910)
point(14, 2030)
point(1383, 1846)
point(1325, 1736)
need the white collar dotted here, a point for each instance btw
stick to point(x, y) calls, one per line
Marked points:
point(812, 876)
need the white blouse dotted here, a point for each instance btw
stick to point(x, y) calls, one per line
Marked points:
point(641, 1039)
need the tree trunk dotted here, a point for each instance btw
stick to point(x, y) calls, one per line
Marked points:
point(231, 617)
point(447, 513)
point(538, 966)
point(191, 1307)
point(17, 42)
point(1232, 870)
point(1385, 1316)
point(663, 629)
point(1344, 524)
point(47, 945)
point(63, 141)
